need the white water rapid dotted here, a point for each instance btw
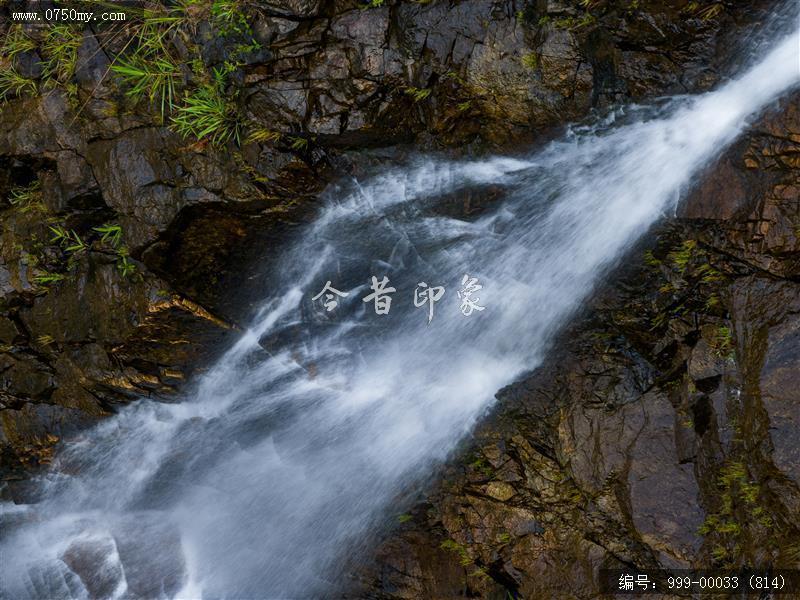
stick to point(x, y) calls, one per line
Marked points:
point(298, 442)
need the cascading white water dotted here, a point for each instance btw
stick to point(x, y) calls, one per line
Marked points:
point(298, 441)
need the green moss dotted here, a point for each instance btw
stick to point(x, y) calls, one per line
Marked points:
point(481, 466)
point(456, 548)
point(573, 23)
point(680, 258)
point(722, 341)
point(738, 512)
point(713, 302)
point(530, 61)
point(650, 260)
point(480, 573)
point(709, 274)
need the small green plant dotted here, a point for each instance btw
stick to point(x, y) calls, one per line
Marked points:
point(60, 49)
point(573, 23)
point(709, 274)
point(404, 518)
point(374, 4)
point(463, 106)
point(709, 12)
point(69, 240)
point(417, 94)
point(681, 257)
point(735, 489)
point(461, 551)
point(263, 135)
point(719, 553)
point(207, 113)
point(16, 42)
point(481, 466)
point(154, 78)
point(27, 198)
point(650, 260)
point(297, 142)
point(480, 573)
point(452, 75)
point(228, 17)
point(125, 267)
point(48, 278)
point(45, 340)
point(713, 302)
point(14, 84)
point(111, 234)
point(530, 61)
point(722, 342)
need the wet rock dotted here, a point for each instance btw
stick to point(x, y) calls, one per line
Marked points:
point(151, 556)
point(780, 380)
point(96, 562)
point(138, 180)
point(668, 522)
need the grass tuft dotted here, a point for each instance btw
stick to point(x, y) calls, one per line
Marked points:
point(15, 85)
point(47, 278)
point(263, 135)
point(27, 198)
point(151, 77)
point(16, 42)
point(417, 94)
point(207, 113)
point(60, 49)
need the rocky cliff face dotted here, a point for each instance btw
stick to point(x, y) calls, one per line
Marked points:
point(660, 433)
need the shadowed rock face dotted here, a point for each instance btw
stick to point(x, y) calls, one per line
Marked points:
point(662, 432)
point(670, 409)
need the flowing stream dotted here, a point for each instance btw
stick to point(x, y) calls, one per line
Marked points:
point(300, 441)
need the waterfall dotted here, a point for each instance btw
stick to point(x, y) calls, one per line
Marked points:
point(300, 440)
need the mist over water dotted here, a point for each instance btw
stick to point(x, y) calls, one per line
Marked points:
point(300, 440)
